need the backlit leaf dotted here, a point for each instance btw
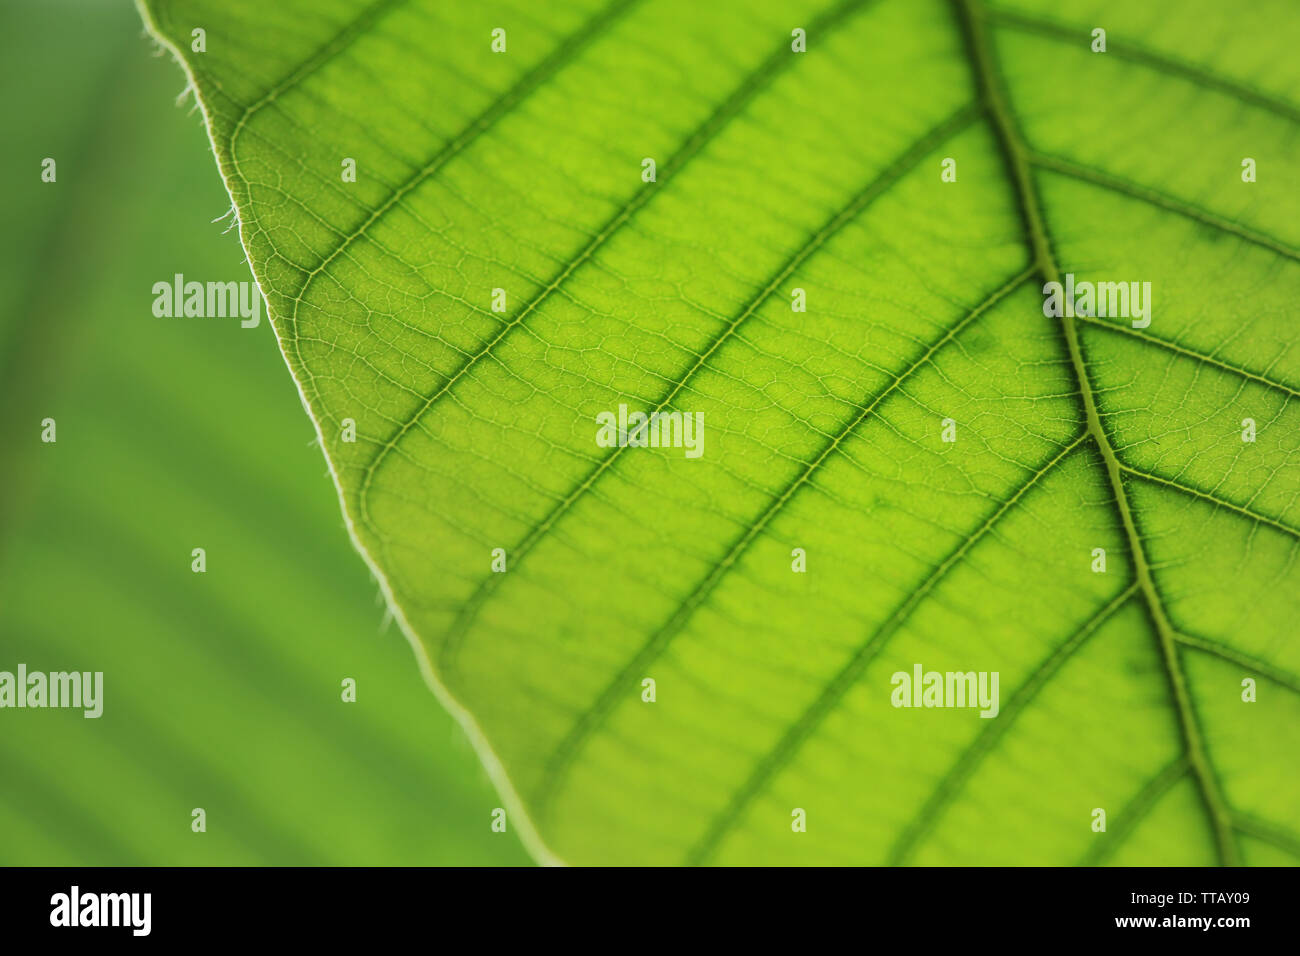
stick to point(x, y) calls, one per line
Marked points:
point(949, 461)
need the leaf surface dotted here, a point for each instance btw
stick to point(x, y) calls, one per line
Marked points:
point(824, 430)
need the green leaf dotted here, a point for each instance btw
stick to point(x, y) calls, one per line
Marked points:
point(824, 429)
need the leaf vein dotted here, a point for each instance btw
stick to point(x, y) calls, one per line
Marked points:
point(592, 718)
point(1149, 58)
point(1249, 661)
point(1212, 499)
point(791, 741)
point(860, 201)
point(1191, 354)
point(1164, 201)
point(744, 93)
point(993, 731)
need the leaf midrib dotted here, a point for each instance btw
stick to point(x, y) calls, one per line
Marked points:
point(1016, 154)
point(1018, 157)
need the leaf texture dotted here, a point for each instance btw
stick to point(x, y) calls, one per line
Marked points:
point(824, 430)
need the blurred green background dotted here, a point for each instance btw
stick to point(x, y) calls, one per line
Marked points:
point(222, 690)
